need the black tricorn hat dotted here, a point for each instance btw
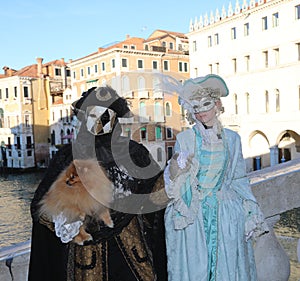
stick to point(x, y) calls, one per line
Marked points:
point(104, 96)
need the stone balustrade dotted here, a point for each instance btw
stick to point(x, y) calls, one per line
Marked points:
point(277, 190)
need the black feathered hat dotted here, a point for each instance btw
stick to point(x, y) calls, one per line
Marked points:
point(102, 96)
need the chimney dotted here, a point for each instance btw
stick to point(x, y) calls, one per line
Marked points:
point(39, 66)
point(5, 68)
point(62, 61)
point(127, 36)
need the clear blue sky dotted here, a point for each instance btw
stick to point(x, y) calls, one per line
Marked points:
point(71, 29)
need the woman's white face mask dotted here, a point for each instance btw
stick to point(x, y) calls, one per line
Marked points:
point(100, 120)
point(202, 105)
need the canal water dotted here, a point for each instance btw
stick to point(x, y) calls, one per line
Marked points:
point(16, 192)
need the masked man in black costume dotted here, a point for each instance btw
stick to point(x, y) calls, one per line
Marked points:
point(134, 248)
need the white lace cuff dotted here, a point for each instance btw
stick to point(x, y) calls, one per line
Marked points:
point(66, 231)
point(255, 222)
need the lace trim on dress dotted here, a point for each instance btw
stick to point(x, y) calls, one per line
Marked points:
point(66, 231)
point(255, 224)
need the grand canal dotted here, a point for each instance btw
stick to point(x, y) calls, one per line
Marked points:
point(16, 192)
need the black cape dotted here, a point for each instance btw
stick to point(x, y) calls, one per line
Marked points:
point(49, 256)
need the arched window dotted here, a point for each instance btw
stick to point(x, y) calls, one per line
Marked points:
point(168, 109)
point(142, 109)
point(125, 84)
point(157, 109)
point(277, 97)
point(159, 154)
point(247, 95)
point(1, 118)
point(141, 83)
point(235, 100)
point(267, 101)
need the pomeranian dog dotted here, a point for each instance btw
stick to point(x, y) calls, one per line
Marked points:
point(81, 189)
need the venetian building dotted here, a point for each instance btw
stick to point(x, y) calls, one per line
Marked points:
point(26, 96)
point(255, 47)
point(133, 67)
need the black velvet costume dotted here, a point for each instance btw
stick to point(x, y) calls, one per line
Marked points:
point(134, 249)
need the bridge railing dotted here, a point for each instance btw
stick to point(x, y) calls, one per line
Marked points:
point(277, 189)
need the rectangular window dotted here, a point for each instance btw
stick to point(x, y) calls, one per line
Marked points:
point(0, 94)
point(299, 96)
point(275, 19)
point(169, 133)
point(297, 12)
point(216, 38)
point(194, 46)
point(217, 67)
point(158, 134)
point(210, 68)
point(234, 65)
point(113, 63)
point(124, 62)
point(140, 64)
point(246, 29)
point(6, 93)
point(26, 117)
point(154, 64)
point(68, 72)
point(264, 23)
point(180, 66)
point(74, 74)
point(88, 70)
point(103, 66)
point(185, 64)
point(209, 41)
point(96, 68)
point(170, 152)
point(15, 92)
point(266, 58)
point(57, 71)
point(276, 56)
point(298, 50)
point(247, 63)
point(81, 72)
point(171, 45)
point(166, 65)
point(233, 33)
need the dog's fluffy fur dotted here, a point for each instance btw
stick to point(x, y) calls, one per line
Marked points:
point(81, 189)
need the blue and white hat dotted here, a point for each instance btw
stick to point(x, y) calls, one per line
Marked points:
point(200, 94)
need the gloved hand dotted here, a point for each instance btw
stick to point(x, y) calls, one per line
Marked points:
point(179, 164)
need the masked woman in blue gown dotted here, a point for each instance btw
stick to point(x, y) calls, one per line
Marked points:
point(213, 217)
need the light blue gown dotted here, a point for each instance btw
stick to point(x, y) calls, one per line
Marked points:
point(207, 223)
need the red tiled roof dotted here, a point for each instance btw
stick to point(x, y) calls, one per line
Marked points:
point(27, 71)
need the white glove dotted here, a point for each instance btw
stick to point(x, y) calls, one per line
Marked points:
point(179, 164)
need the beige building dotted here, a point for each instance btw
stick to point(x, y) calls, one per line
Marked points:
point(255, 47)
point(26, 97)
point(133, 68)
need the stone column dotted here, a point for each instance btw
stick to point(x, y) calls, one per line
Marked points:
point(271, 259)
point(273, 155)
